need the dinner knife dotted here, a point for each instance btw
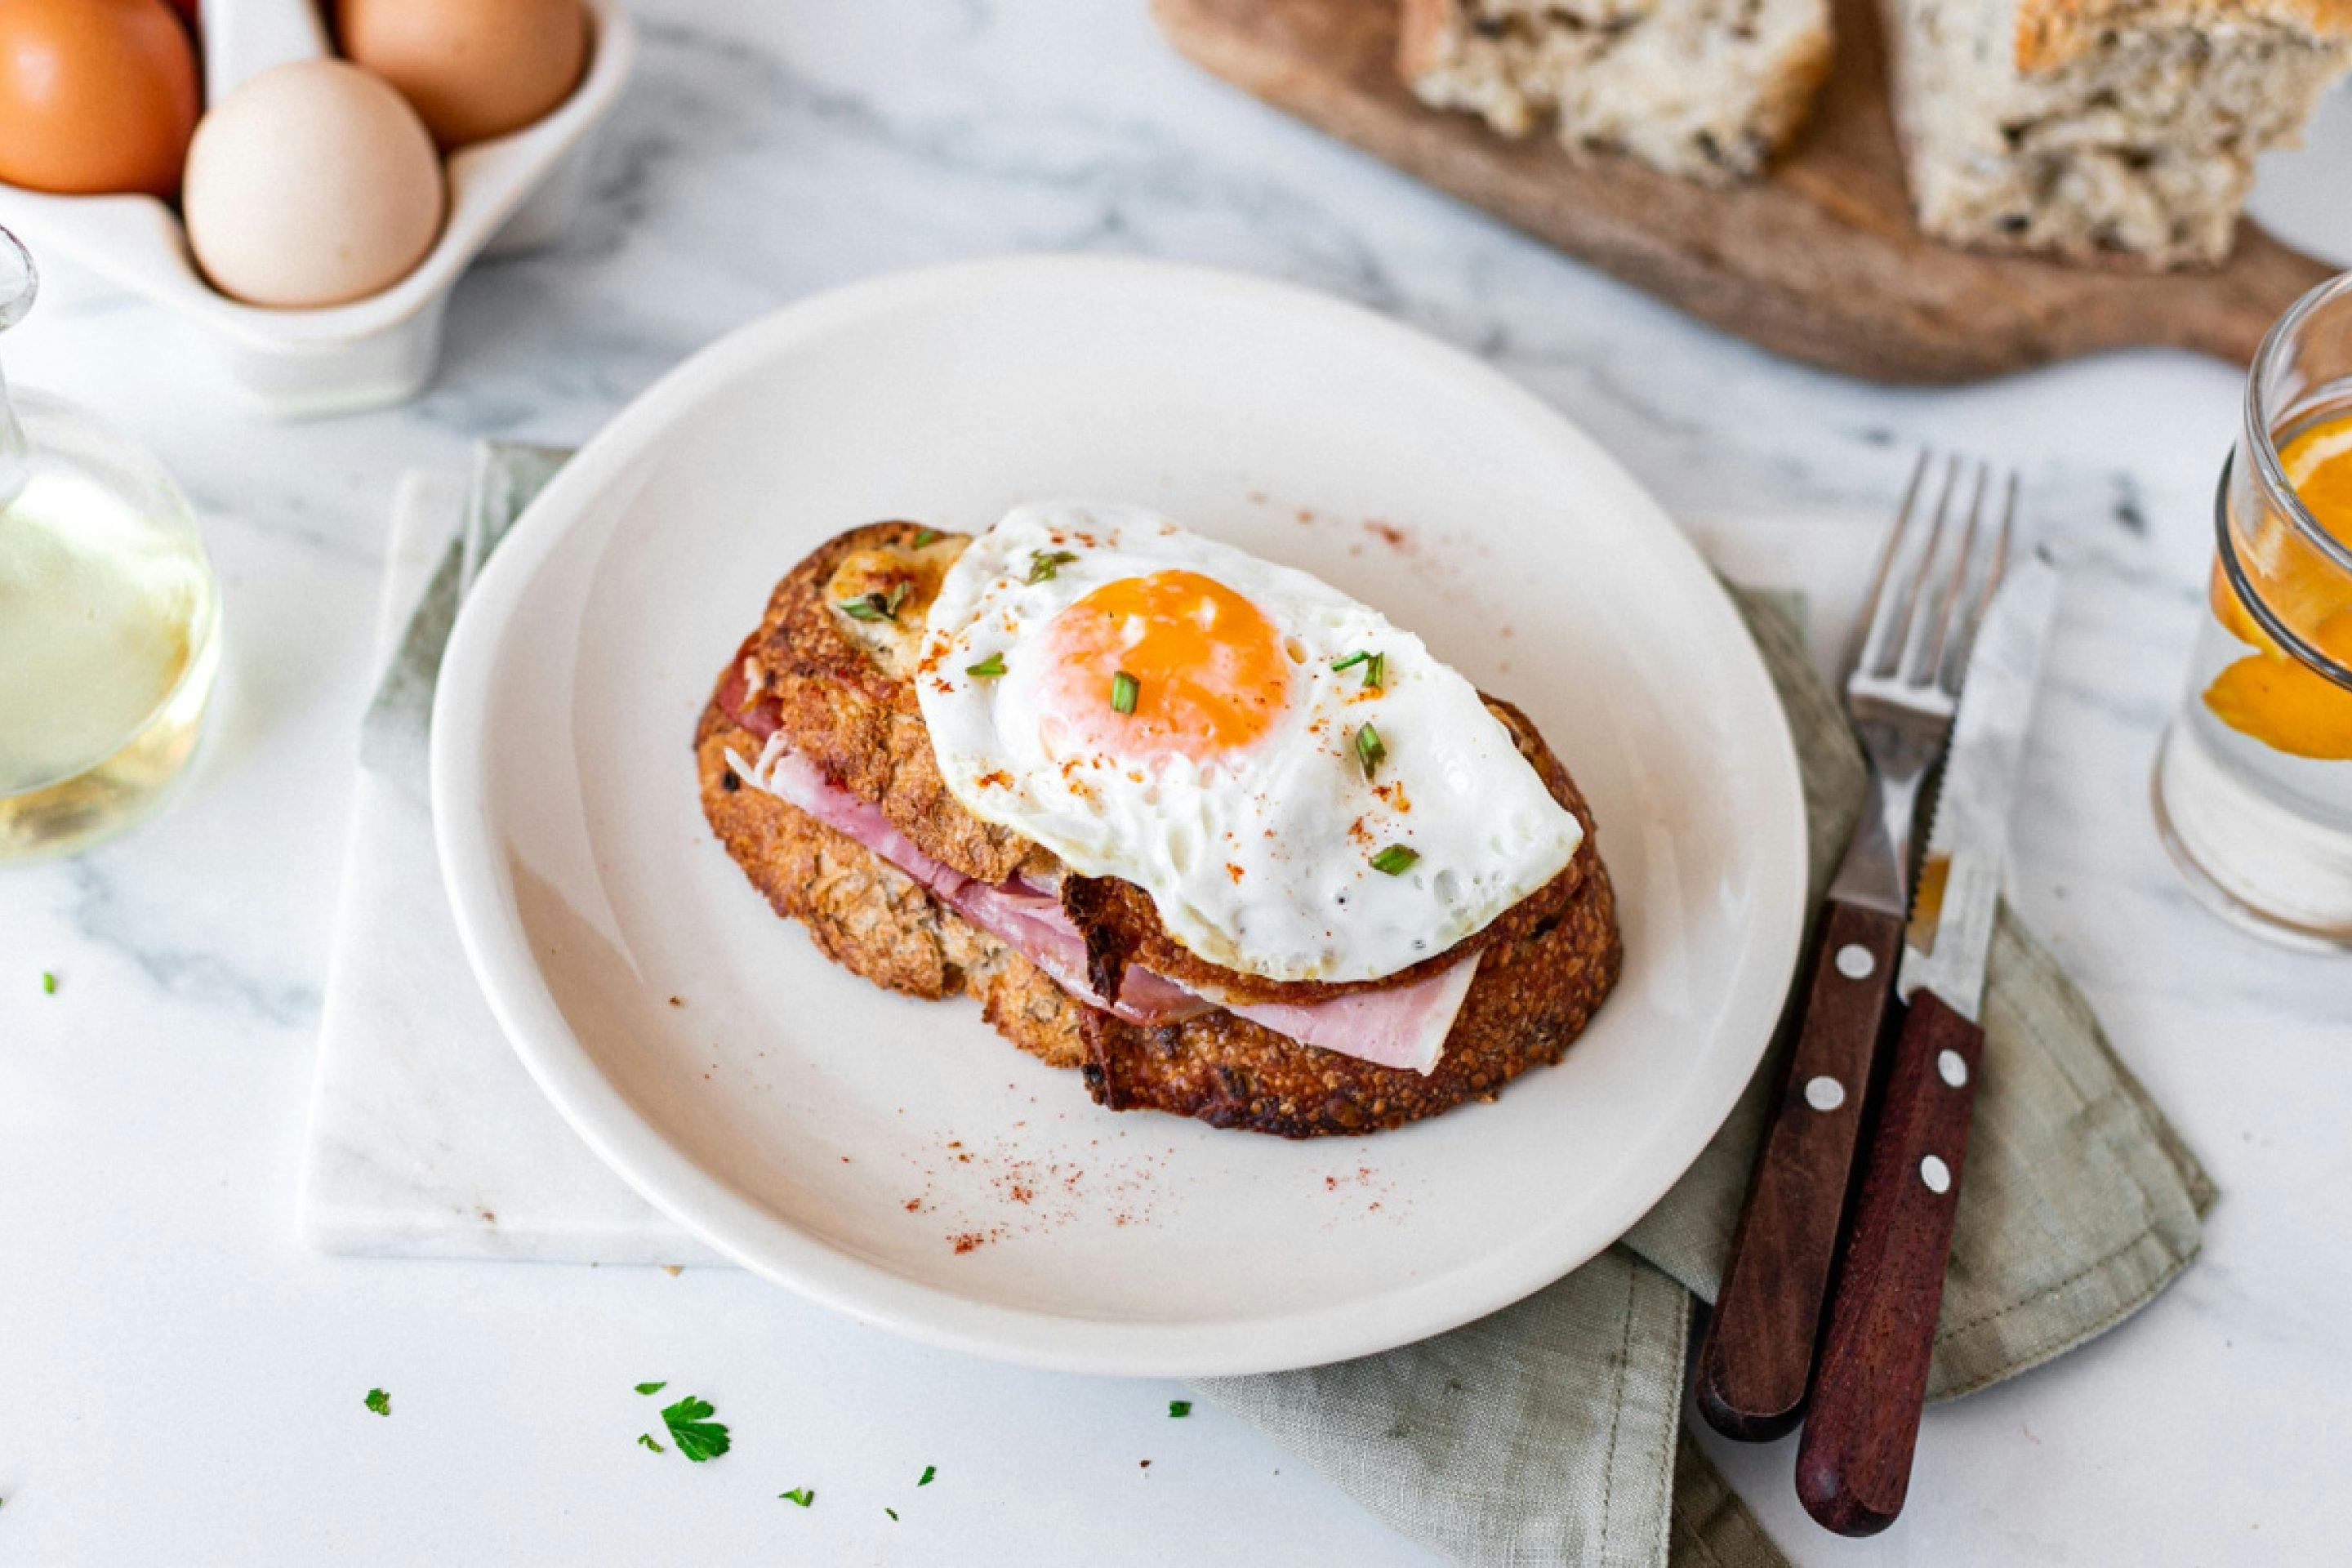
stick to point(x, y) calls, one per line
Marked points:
point(1853, 1464)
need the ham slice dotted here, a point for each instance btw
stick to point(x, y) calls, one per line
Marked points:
point(1028, 919)
point(1400, 1027)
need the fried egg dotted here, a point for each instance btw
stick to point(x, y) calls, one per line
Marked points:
point(1303, 791)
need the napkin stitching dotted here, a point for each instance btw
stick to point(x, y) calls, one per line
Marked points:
point(1665, 1477)
point(1996, 1314)
point(1617, 1407)
point(2050, 1348)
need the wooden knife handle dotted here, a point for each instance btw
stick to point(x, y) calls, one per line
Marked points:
point(1758, 1358)
point(1854, 1463)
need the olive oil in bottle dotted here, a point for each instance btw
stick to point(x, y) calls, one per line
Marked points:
point(109, 620)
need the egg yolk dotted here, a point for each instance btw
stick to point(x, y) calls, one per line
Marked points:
point(1204, 672)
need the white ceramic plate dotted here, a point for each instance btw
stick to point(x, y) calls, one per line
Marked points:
point(894, 1158)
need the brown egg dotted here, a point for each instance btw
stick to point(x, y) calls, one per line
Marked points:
point(95, 95)
point(474, 69)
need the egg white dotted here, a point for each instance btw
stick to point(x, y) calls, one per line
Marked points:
point(1261, 862)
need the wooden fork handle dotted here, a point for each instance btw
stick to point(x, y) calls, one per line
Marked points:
point(1853, 1464)
point(1758, 1357)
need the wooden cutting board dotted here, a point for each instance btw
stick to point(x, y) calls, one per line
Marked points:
point(1819, 261)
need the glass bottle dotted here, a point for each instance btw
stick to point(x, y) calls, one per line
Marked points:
point(110, 619)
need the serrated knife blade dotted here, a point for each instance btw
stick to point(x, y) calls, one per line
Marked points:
point(1950, 939)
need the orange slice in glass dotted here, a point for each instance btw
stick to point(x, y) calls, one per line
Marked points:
point(2268, 695)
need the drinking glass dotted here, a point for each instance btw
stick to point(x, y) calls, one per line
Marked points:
point(2254, 782)
point(109, 622)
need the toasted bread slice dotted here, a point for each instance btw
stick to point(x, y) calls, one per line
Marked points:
point(839, 690)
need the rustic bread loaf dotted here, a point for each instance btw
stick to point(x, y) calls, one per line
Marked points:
point(1707, 89)
point(2090, 127)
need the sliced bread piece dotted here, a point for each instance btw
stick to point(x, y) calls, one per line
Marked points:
point(2100, 127)
point(1707, 89)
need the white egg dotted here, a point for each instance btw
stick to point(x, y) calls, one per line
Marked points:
point(313, 184)
point(1152, 705)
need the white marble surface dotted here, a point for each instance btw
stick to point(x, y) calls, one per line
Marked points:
point(182, 1376)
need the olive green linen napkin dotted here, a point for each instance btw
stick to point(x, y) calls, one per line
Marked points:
point(1550, 1432)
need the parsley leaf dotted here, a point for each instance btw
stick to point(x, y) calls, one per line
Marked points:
point(379, 1400)
point(803, 1496)
point(645, 1439)
point(1177, 1407)
point(929, 1471)
point(697, 1437)
point(651, 1387)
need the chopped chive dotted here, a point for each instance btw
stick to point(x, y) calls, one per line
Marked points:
point(49, 983)
point(876, 606)
point(1394, 860)
point(1180, 1408)
point(379, 1400)
point(892, 1513)
point(1044, 564)
point(651, 1387)
point(929, 1471)
point(1376, 672)
point(645, 1439)
point(803, 1496)
point(926, 536)
point(1353, 659)
point(1368, 749)
point(988, 668)
point(1123, 689)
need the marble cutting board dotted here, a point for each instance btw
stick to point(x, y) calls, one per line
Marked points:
point(426, 1138)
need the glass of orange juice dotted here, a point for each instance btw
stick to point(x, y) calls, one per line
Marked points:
point(2254, 784)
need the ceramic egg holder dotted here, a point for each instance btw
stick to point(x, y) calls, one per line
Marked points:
point(506, 195)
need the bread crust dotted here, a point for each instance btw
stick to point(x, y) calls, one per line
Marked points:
point(857, 721)
point(2051, 33)
point(1544, 965)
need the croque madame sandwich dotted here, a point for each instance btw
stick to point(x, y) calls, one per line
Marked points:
point(1197, 825)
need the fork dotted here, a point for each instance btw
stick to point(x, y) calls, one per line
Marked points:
point(1902, 679)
